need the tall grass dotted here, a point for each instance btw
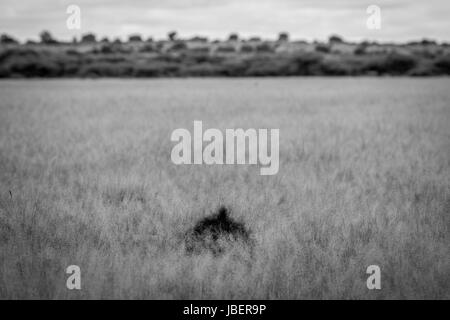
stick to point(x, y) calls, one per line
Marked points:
point(86, 179)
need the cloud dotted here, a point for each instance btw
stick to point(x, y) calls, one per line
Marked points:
point(401, 20)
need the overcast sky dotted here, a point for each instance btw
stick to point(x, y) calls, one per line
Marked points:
point(401, 20)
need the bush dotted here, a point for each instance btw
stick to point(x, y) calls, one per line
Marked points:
point(134, 38)
point(156, 69)
point(266, 66)
point(201, 70)
point(442, 65)
point(246, 48)
point(233, 37)
point(336, 66)
point(234, 67)
point(106, 49)
point(33, 68)
point(47, 38)
point(6, 39)
point(106, 69)
point(335, 39)
point(394, 64)
point(29, 63)
point(148, 47)
point(264, 47)
point(307, 64)
point(215, 232)
point(398, 63)
point(323, 48)
point(194, 57)
point(178, 46)
point(202, 50)
point(360, 50)
point(17, 53)
point(283, 37)
point(88, 38)
point(226, 49)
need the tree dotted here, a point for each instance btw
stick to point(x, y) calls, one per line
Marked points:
point(88, 38)
point(6, 39)
point(178, 45)
point(283, 37)
point(335, 39)
point(172, 35)
point(255, 39)
point(233, 37)
point(134, 38)
point(47, 38)
point(360, 49)
point(199, 39)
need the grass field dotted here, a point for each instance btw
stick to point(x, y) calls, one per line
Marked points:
point(86, 179)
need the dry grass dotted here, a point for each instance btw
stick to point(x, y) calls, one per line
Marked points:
point(364, 179)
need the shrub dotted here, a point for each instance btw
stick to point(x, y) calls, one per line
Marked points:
point(201, 70)
point(360, 50)
point(255, 39)
point(233, 37)
point(323, 48)
point(246, 48)
point(283, 37)
point(134, 38)
point(235, 67)
point(88, 38)
point(6, 39)
point(106, 49)
point(399, 63)
point(337, 67)
point(200, 50)
point(215, 232)
point(267, 66)
point(226, 49)
point(307, 64)
point(106, 69)
point(148, 47)
point(178, 46)
point(264, 47)
point(394, 63)
point(442, 64)
point(172, 35)
point(335, 39)
point(156, 68)
point(33, 68)
point(47, 38)
point(199, 39)
point(194, 57)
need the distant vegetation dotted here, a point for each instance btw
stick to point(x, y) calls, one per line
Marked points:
point(234, 57)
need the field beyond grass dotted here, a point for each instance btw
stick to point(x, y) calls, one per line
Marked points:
point(86, 179)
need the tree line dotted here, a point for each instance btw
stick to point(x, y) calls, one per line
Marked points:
point(234, 57)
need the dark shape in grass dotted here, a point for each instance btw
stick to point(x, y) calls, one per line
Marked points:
point(217, 232)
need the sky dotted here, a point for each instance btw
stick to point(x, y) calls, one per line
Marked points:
point(401, 20)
